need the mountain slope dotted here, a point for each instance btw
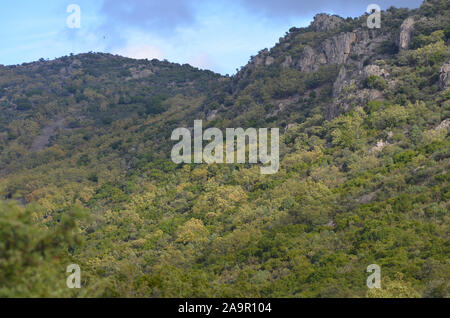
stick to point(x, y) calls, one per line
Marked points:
point(363, 177)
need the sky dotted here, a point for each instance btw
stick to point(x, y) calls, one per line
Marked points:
point(219, 35)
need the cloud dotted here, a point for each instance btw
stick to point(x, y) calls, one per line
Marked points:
point(218, 34)
point(202, 61)
point(140, 52)
point(166, 17)
point(296, 8)
point(154, 16)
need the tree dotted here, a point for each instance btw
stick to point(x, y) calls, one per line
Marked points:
point(33, 258)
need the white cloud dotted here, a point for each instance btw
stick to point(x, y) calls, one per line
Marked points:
point(140, 51)
point(202, 61)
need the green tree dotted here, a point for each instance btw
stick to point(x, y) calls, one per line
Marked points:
point(33, 258)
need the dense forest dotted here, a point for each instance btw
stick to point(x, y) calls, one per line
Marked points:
point(364, 114)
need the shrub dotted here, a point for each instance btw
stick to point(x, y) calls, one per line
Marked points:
point(375, 82)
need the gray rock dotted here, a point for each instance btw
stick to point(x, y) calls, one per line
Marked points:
point(381, 144)
point(375, 70)
point(406, 29)
point(212, 114)
point(324, 22)
point(346, 101)
point(356, 76)
point(310, 60)
point(332, 51)
point(444, 76)
point(339, 49)
point(269, 60)
point(287, 62)
point(341, 81)
point(444, 125)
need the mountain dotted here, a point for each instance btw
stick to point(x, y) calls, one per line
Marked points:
point(86, 174)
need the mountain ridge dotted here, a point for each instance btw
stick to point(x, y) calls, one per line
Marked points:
point(87, 179)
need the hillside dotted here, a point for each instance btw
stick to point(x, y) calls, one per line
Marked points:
point(86, 175)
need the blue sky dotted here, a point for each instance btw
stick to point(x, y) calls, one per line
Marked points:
point(209, 34)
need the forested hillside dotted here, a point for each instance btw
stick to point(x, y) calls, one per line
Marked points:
point(86, 175)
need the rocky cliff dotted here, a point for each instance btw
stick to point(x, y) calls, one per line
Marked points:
point(357, 51)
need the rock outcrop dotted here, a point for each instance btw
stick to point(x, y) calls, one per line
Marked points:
point(349, 50)
point(269, 60)
point(287, 62)
point(381, 144)
point(404, 39)
point(332, 51)
point(324, 22)
point(212, 114)
point(348, 89)
point(443, 125)
point(444, 76)
point(348, 100)
point(339, 49)
point(375, 70)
